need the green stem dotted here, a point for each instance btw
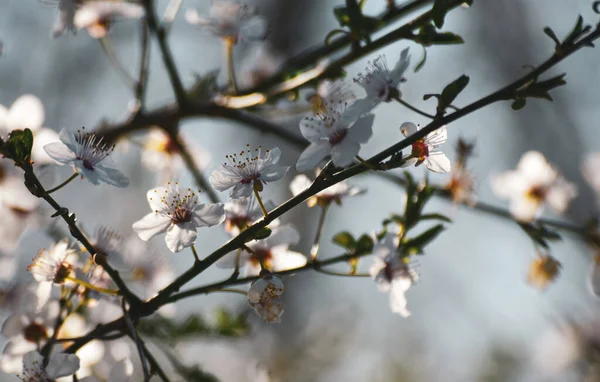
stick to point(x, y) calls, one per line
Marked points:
point(260, 202)
point(195, 253)
point(231, 65)
point(62, 184)
point(314, 251)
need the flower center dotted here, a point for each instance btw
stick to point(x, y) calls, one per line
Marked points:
point(537, 193)
point(181, 215)
point(263, 256)
point(64, 271)
point(35, 333)
point(420, 150)
point(337, 136)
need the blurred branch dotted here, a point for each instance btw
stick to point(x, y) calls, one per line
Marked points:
point(140, 87)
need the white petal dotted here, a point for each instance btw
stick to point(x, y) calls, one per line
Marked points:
point(151, 225)
point(362, 130)
point(300, 183)
point(437, 137)
point(284, 260)
point(193, 17)
point(13, 325)
point(272, 156)
point(559, 196)
point(60, 153)
point(313, 129)
point(62, 365)
point(121, 371)
point(33, 360)
point(43, 137)
point(111, 176)
point(591, 170)
point(344, 152)
point(313, 155)
point(524, 209)
point(26, 112)
point(438, 162)
point(397, 298)
point(180, 236)
point(509, 184)
point(283, 235)
point(408, 129)
point(273, 174)
point(222, 179)
point(534, 166)
point(154, 198)
point(400, 67)
point(359, 108)
point(207, 215)
point(92, 12)
point(241, 191)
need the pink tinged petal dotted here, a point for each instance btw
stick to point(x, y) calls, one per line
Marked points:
point(313, 155)
point(207, 215)
point(60, 153)
point(284, 260)
point(62, 365)
point(438, 162)
point(111, 176)
point(180, 236)
point(299, 184)
point(151, 225)
point(362, 130)
point(27, 112)
point(91, 13)
point(274, 173)
point(344, 152)
point(437, 138)
point(241, 191)
point(408, 128)
point(223, 179)
point(313, 129)
point(43, 137)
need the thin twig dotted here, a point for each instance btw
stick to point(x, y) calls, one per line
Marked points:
point(140, 87)
point(134, 336)
point(411, 107)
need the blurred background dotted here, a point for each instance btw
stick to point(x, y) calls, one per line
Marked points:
point(474, 317)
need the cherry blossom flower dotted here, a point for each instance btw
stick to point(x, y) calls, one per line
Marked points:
point(534, 184)
point(335, 193)
point(177, 214)
point(461, 187)
point(22, 297)
point(264, 295)
point(328, 94)
point(98, 16)
point(248, 171)
point(88, 155)
point(52, 265)
point(121, 371)
point(160, 154)
point(380, 83)
point(272, 252)
point(59, 365)
point(27, 112)
point(75, 325)
point(232, 20)
point(243, 212)
point(424, 150)
point(542, 271)
point(392, 273)
point(341, 139)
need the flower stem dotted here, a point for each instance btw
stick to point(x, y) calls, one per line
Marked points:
point(195, 253)
point(230, 65)
point(62, 184)
point(314, 250)
point(411, 107)
point(113, 292)
point(260, 203)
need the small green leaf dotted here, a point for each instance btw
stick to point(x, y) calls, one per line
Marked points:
point(205, 86)
point(451, 91)
point(428, 36)
point(345, 240)
point(540, 234)
point(18, 147)
point(421, 63)
point(552, 35)
point(416, 244)
point(364, 245)
point(441, 8)
point(436, 217)
point(518, 104)
point(262, 233)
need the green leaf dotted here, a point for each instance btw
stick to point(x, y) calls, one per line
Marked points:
point(18, 147)
point(416, 244)
point(345, 240)
point(451, 91)
point(552, 35)
point(540, 234)
point(421, 63)
point(537, 89)
point(441, 8)
point(364, 245)
point(262, 233)
point(435, 217)
point(429, 36)
point(519, 104)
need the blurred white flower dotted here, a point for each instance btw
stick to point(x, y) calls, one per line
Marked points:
point(159, 154)
point(230, 19)
point(26, 331)
point(591, 171)
point(335, 193)
point(264, 295)
point(243, 212)
point(75, 325)
point(21, 297)
point(543, 270)
point(424, 150)
point(27, 112)
point(260, 65)
point(341, 139)
point(121, 371)
point(178, 215)
point(328, 97)
point(392, 273)
point(52, 265)
point(534, 184)
point(98, 16)
point(248, 171)
point(59, 365)
point(380, 83)
point(272, 252)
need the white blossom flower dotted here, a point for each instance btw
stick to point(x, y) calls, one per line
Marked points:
point(230, 19)
point(335, 193)
point(380, 83)
point(264, 295)
point(52, 265)
point(272, 252)
point(121, 371)
point(98, 16)
point(243, 212)
point(339, 138)
point(26, 331)
point(59, 365)
point(88, 155)
point(392, 273)
point(248, 171)
point(534, 184)
point(177, 214)
point(27, 112)
point(160, 154)
point(424, 150)
point(591, 171)
point(329, 94)
point(21, 297)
